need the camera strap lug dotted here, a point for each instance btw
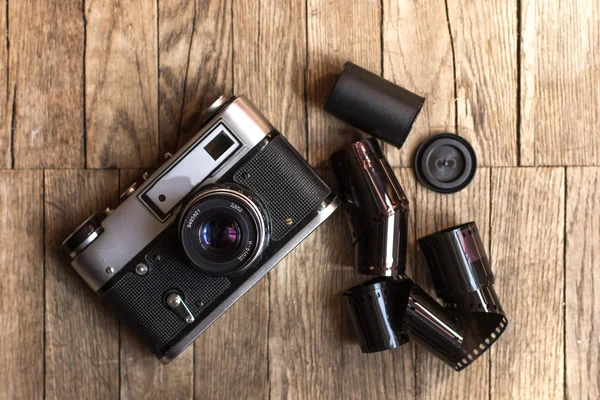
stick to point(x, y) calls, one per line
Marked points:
point(176, 303)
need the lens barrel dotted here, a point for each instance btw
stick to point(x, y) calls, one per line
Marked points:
point(376, 206)
point(223, 230)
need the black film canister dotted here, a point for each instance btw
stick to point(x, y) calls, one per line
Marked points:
point(377, 309)
point(376, 207)
point(373, 104)
point(463, 279)
point(457, 261)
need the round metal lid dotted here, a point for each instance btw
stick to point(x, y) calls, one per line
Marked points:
point(445, 163)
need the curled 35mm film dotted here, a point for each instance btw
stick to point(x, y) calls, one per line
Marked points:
point(387, 312)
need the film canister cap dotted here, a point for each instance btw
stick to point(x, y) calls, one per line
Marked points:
point(374, 105)
point(445, 163)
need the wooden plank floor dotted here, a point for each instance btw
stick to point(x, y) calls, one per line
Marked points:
point(95, 91)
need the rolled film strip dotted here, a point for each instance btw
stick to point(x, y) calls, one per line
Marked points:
point(376, 208)
point(386, 311)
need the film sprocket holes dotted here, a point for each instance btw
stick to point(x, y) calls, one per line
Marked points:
point(203, 229)
point(387, 311)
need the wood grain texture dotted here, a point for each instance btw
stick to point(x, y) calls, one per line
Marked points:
point(22, 285)
point(560, 102)
point(338, 31)
point(434, 212)
point(388, 374)
point(417, 54)
point(485, 46)
point(208, 71)
point(527, 230)
point(231, 358)
point(142, 375)
point(281, 68)
point(82, 336)
point(5, 98)
point(176, 22)
point(305, 325)
point(121, 83)
point(45, 71)
point(582, 284)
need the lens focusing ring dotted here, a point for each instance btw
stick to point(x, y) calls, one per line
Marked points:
point(224, 202)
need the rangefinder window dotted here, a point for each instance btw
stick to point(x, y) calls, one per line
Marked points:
point(190, 170)
point(218, 146)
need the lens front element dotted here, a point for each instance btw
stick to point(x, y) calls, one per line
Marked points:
point(220, 235)
point(223, 230)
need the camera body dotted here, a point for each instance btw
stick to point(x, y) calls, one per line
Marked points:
point(188, 242)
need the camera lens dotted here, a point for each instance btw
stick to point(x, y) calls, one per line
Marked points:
point(223, 230)
point(220, 235)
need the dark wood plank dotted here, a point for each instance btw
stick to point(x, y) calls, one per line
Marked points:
point(121, 83)
point(485, 37)
point(142, 375)
point(306, 328)
point(207, 71)
point(582, 284)
point(6, 92)
point(82, 336)
point(22, 285)
point(388, 374)
point(338, 31)
point(231, 356)
point(45, 67)
point(435, 379)
point(417, 55)
point(527, 249)
point(176, 24)
point(560, 106)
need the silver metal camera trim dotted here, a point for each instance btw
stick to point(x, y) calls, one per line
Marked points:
point(257, 215)
point(86, 242)
point(323, 214)
point(132, 226)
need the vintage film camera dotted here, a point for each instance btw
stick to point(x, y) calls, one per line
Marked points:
point(188, 242)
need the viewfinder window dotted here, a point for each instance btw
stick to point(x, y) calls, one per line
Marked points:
point(218, 145)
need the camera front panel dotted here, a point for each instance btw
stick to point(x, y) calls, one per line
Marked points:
point(295, 199)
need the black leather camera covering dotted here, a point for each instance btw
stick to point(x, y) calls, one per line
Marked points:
point(287, 185)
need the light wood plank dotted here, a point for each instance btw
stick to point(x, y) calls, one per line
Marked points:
point(142, 375)
point(306, 325)
point(22, 285)
point(45, 64)
point(388, 374)
point(121, 83)
point(583, 284)
point(6, 92)
point(560, 101)
point(436, 379)
point(209, 65)
point(176, 23)
point(82, 336)
point(418, 56)
point(527, 230)
point(338, 31)
point(485, 40)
